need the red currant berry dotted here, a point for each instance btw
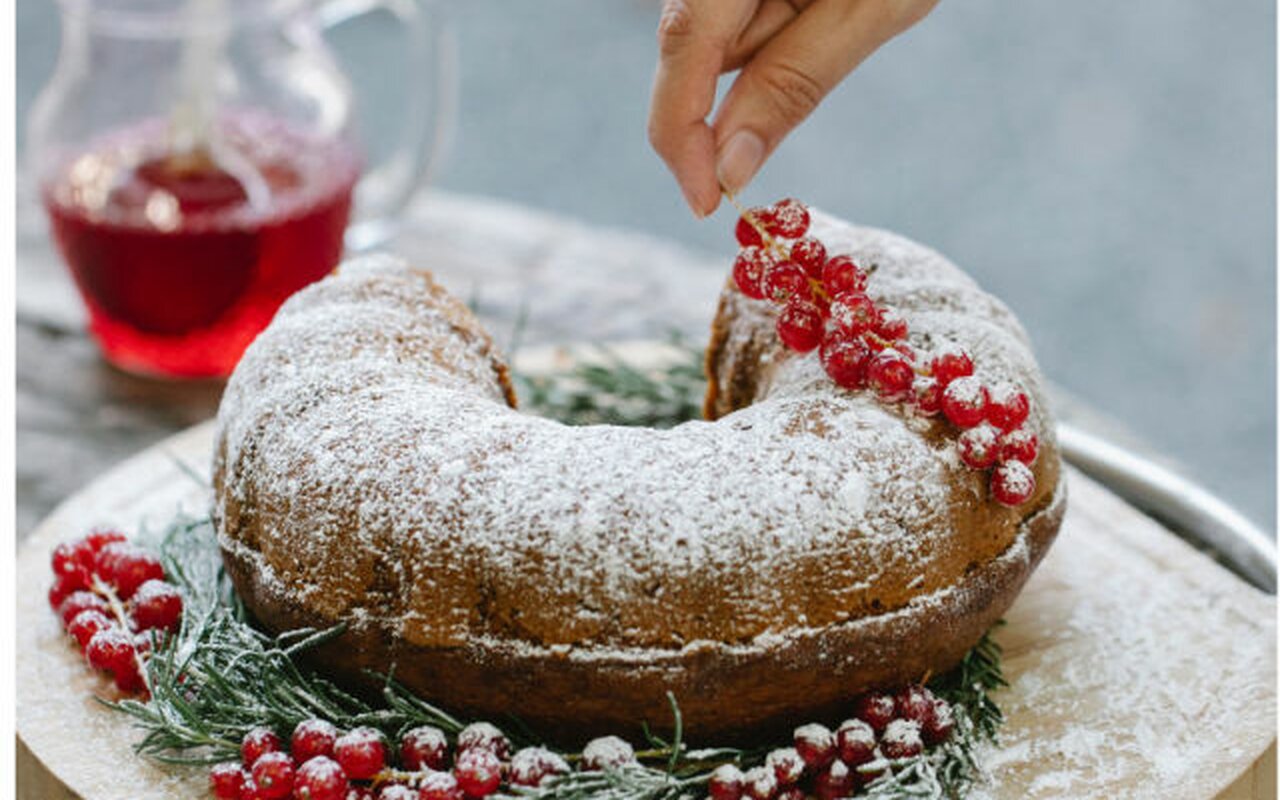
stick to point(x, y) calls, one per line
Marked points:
point(914, 703)
point(126, 567)
point(225, 780)
point(750, 268)
point(892, 326)
point(964, 401)
point(833, 782)
point(311, 738)
point(273, 773)
point(725, 783)
point(424, 747)
point(485, 736)
point(128, 677)
point(157, 605)
point(876, 709)
point(789, 219)
point(439, 786)
point(854, 313)
point(72, 558)
point(760, 783)
point(949, 365)
point(790, 793)
point(845, 361)
point(361, 752)
point(249, 790)
point(607, 752)
point(891, 375)
point(86, 624)
point(78, 601)
point(64, 586)
point(901, 739)
point(110, 650)
point(800, 326)
point(361, 792)
point(786, 280)
point(787, 765)
point(747, 234)
point(840, 276)
point(810, 255)
point(321, 778)
point(928, 395)
point(855, 742)
point(398, 791)
point(1012, 483)
point(979, 446)
point(1008, 407)
point(257, 743)
point(815, 743)
point(940, 724)
point(1019, 445)
point(534, 765)
point(478, 772)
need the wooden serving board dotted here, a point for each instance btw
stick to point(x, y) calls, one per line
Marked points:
point(1139, 668)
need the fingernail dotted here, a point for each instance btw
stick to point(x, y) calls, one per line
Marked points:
point(739, 159)
point(696, 204)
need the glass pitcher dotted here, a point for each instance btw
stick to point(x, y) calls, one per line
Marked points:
point(198, 161)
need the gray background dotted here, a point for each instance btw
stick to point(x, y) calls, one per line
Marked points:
point(1107, 168)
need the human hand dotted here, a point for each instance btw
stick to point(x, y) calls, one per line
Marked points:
point(791, 53)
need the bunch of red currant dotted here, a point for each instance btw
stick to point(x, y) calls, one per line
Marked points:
point(114, 602)
point(862, 344)
point(322, 763)
point(828, 764)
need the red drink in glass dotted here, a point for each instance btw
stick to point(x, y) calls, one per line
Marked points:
point(182, 259)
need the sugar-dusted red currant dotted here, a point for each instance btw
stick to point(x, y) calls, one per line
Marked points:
point(964, 401)
point(439, 786)
point(110, 650)
point(845, 359)
point(86, 624)
point(746, 233)
point(855, 742)
point(478, 772)
point(760, 783)
point(157, 604)
point(854, 313)
point(979, 446)
point(877, 709)
point(841, 275)
point(486, 736)
point(892, 327)
point(361, 752)
point(1012, 483)
point(940, 724)
point(65, 585)
point(800, 326)
point(424, 746)
point(274, 773)
point(532, 766)
point(725, 783)
point(787, 765)
point(901, 739)
point(257, 743)
point(789, 219)
point(914, 702)
point(321, 778)
point(786, 280)
point(790, 793)
point(928, 395)
point(607, 752)
point(249, 790)
point(811, 255)
point(225, 780)
point(81, 600)
point(1019, 445)
point(311, 738)
point(951, 364)
point(815, 743)
point(834, 782)
point(126, 567)
point(890, 374)
point(398, 791)
point(750, 268)
point(1008, 406)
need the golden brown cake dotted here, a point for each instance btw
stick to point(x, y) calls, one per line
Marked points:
point(765, 567)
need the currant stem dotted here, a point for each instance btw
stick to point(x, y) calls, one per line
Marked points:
point(102, 588)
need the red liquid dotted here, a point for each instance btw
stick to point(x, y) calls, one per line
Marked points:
point(183, 259)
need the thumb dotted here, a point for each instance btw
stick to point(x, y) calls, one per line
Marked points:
point(787, 79)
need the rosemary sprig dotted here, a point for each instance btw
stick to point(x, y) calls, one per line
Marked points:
point(218, 676)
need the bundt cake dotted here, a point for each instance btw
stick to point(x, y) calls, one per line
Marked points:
point(803, 544)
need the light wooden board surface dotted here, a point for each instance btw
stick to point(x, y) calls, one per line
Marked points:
point(1139, 668)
